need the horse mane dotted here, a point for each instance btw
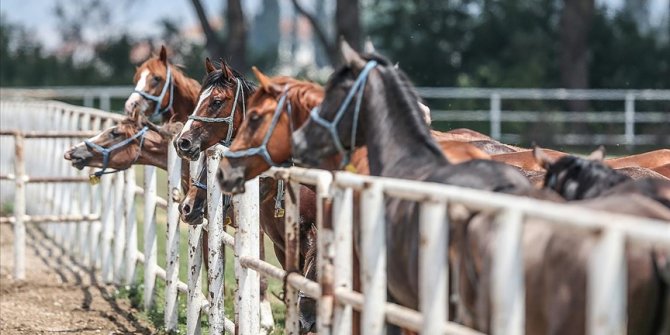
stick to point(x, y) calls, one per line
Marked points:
point(217, 78)
point(405, 98)
point(301, 93)
point(590, 177)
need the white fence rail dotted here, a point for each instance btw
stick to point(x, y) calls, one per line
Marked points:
point(627, 114)
point(108, 238)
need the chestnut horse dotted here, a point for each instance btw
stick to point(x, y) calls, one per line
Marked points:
point(162, 90)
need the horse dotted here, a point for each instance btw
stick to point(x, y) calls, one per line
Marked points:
point(649, 160)
point(556, 263)
point(388, 120)
point(576, 178)
point(162, 90)
point(219, 111)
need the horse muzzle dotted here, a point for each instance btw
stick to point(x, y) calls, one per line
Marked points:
point(78, 156)
point(187, 148)
point(231, 180)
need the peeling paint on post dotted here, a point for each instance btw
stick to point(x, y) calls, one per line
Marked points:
point(292, 243)
point(19, 209)
point(194, 267)
point(216, 251)
point(172, 246)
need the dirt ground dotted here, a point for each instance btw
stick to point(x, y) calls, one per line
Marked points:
point(58, 296)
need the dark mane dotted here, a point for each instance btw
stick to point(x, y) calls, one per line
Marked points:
point(405, 98)
point(578, 178)
point(216, 78)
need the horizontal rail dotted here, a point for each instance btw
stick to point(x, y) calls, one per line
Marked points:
point(49, 133)
point(579, 217)
point(69, 218)
point(539, 93)
point(548, 116)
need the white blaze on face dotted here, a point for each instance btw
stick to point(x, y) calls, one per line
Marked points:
point(205, 94)
point(135, 97)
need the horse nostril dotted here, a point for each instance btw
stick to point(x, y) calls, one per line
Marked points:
point(186, 209)
point(184, 144)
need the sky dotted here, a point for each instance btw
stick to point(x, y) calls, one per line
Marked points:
point(142, 15)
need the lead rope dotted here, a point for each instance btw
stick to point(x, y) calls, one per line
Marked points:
point(279, 209)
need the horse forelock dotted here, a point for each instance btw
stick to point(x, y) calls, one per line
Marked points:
point(217, 78)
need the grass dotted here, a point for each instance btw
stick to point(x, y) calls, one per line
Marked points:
point(135, 292)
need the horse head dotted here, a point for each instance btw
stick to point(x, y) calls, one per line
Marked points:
point(264, 138)
point(218, 113)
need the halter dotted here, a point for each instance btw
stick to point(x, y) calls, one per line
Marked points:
point(262, 150)
point(228, 119)
point(158, 99)
point(331, 126)
point(107, 151)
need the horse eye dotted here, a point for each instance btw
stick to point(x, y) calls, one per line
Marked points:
point(217, 103)
point(156, 79)
point(255, 117)
point(114, 133)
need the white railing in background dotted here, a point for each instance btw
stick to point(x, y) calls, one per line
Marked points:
point(336, 299)
point(496, 115)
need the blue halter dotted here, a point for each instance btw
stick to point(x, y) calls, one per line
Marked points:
point(158, 99)
point(357, 89)
point(228, 119)
point(262, 150)
point(107, 151)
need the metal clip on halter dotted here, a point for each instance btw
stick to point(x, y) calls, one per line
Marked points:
point(158, 99)
point(107, 151)
point(357, 89)
point(228, 119)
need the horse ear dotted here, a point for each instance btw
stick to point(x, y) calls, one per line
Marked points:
point(227, 71)
point(163, 54)
point(264, 81)
point(542, 158)
point(598, 154)
point(209, 66)
point(369, 47)
point(351, 58)
point(396, 66)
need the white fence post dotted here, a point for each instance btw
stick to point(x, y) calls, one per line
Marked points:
point(107, 228)
point(606, 289)
point(247, 295)
point(172, 247)
point(194, 267)
point(292, 255)
point(325, 254)
point(495, 117)
point(19, 209)
point(150, 246)
point(507, 291)
point(343, 218)
point(373, 260)
point(131, 227)
point(433, 269)
point(216, 249)
point(119, 227)
point(630, 119)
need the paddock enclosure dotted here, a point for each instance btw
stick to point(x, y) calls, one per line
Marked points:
point(98, 225)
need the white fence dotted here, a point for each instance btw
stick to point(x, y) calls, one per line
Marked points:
point(627, 114)
point(107, 239)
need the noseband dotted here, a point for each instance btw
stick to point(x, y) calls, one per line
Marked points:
point(158, 99)
point(262, 150)
point(228, 119)
point(107, 151)
point(331, 126)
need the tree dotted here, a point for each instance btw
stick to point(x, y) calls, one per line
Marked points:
point(347, 25)
point(234, 46)
point(575, 26)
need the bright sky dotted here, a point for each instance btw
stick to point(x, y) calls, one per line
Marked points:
point(141, 16)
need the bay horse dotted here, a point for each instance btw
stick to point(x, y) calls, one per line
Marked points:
point(162, 90)
point(218, 113)
point(399, 145)
point(133, 142)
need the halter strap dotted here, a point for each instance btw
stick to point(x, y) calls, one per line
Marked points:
point(331, 126)
point(228, 119)
point(158, 99)
point(107, 151)
point(262, 150)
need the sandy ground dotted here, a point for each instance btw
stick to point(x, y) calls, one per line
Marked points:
point(58, 296)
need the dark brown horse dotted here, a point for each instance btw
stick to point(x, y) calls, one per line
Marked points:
point(399, 145)
point(162, 89)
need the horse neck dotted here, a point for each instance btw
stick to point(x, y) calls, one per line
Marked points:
point(398, 140)
point(154, 154)
point(300, 108)
point(185, 97)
